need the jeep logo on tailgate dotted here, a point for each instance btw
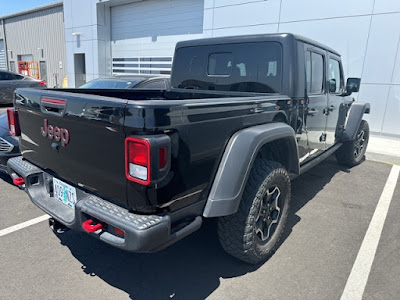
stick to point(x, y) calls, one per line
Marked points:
point(57, 133)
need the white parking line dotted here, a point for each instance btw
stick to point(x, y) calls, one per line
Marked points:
point(14, 228)
point(357, 280)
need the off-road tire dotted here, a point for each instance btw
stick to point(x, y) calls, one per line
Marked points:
point(237, 232)
point(350, 154)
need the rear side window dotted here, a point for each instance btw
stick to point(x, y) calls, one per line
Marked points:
point(244, 67)
point(314, 72)
point(6, 76)
point(153, 85)
point(335, 82)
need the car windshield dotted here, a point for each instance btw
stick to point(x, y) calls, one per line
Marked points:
point(110, 84)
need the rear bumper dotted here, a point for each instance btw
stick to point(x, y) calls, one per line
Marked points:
point(5, 154)
point(142, 233)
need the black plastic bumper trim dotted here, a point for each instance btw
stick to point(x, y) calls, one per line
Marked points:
point(142, 233)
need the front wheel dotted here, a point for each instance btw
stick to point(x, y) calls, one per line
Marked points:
point(254, 232)
point(353, 153)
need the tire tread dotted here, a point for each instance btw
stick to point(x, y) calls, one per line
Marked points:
point(234, 231)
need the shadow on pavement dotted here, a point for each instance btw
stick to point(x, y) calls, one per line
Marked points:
point(6, 178)
point(190, 269)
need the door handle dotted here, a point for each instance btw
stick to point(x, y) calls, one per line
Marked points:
point(327, 110)
point(312, 112)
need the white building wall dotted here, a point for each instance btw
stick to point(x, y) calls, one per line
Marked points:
point(28, 34)
point(87, 30)
point(365, 32)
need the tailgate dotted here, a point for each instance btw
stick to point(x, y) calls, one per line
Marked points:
point(79, 138)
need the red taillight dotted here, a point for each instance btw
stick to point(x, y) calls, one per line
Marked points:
point(162, 161)
point(137, 160)
point(138, 153)
point(13, 122)
point(119, 231)
point(43, 83)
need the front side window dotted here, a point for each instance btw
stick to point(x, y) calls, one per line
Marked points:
point(314, 72)
point(335, 82)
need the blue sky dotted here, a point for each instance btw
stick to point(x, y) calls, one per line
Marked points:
point(13, 6)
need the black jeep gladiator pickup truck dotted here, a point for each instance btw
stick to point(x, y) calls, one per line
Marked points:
point(141, 169)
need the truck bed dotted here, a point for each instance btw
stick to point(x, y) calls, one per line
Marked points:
point(199, 125)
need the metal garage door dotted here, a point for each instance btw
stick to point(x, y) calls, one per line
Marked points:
point(3, 65)
point(144, 34)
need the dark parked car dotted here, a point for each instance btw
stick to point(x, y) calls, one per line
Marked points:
point(9, 81)
point(146, 82)
point(245, 115)
point(8, 144)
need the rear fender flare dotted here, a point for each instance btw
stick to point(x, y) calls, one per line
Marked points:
point(237, 161)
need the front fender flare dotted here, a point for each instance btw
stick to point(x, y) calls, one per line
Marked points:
point(237, 161)
point(353, 120)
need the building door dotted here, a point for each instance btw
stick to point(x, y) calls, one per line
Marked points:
point(43, 70)
point(144, 34)
point(80, 69)
point(12, 66)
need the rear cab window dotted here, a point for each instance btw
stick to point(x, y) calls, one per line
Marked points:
point(245, 67)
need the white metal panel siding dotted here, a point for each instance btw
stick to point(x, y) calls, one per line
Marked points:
point(144, 34)
point(44, 29)
point(1, 30)
point(2, 56)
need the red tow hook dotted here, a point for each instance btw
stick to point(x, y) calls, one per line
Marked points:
point(87, 225)
point(19, 181)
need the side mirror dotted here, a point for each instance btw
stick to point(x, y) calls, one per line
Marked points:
point(353, 85)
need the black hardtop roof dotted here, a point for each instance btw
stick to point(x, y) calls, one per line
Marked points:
point(254, 38)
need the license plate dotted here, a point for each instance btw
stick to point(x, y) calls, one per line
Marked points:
point(64, 192)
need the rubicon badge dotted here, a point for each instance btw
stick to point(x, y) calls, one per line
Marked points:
point(56, 133)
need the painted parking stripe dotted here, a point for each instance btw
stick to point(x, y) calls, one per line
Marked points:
point(362, 266)
point(17, 227)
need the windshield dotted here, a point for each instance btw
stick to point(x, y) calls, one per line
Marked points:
point(245, 67)
point(110, 84)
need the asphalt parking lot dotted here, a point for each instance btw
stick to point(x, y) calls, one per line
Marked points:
point(331, 212)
